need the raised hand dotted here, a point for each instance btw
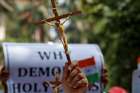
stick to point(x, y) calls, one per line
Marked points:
point(74, 81)
point(4, 75)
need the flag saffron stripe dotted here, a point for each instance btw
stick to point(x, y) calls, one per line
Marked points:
point(86, 62)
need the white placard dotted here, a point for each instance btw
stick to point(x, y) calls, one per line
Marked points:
point(136, 81)
point(30, 65)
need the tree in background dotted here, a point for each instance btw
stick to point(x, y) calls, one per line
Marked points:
point(20, 16)
point(114, 25)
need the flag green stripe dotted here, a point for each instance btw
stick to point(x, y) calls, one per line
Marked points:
point(93, 78)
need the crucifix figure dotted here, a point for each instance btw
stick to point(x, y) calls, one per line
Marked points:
point(55, 85)
point(59, 26)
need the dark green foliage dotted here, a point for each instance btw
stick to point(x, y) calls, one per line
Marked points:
point(114, 25)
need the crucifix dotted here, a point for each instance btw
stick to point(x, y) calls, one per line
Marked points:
point(57, 19)
point(59, 26)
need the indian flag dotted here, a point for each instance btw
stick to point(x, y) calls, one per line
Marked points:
point(89, 68)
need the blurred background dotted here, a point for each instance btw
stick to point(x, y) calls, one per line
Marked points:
point(113, 25)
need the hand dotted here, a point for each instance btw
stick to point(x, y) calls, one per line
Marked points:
point(74, 81)
point(4, 75)
point(105, 76)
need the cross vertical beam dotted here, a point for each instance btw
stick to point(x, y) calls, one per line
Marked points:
point(54, 8)
point(59, 26)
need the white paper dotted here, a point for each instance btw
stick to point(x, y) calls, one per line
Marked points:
point(136, 82)
point(30, 65)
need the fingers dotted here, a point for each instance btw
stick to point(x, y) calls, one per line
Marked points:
point(72, 66)
point(105, 76)
point(79, 80)
point(67, 69)
point(65, 73)
point(73, 74)
point(1, 67)
point(81, 83)
point(4, 75)
point(74, 77)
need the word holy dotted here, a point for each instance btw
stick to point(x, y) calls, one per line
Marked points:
point(33, 87)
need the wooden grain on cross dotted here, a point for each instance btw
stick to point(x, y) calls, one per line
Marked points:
point(59, 27)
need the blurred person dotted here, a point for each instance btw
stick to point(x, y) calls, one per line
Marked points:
point(117, 89)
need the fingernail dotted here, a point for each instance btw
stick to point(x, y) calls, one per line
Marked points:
point(69, 68)
point(68, 80)
point(74, 87)
point(68, 63)
point(83, 84)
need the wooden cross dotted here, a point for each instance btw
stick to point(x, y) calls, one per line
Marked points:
point(59, 26)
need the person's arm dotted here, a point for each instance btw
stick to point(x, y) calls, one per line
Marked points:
point(105, 76)
point(4, 75)
point(74, 81)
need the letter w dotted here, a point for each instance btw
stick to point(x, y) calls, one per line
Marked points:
point(44, 55)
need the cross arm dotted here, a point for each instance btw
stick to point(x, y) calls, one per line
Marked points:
point(58, 17)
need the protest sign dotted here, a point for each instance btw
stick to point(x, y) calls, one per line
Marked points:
point(30, 65)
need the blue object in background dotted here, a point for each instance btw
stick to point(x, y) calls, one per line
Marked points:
point(1, 91)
